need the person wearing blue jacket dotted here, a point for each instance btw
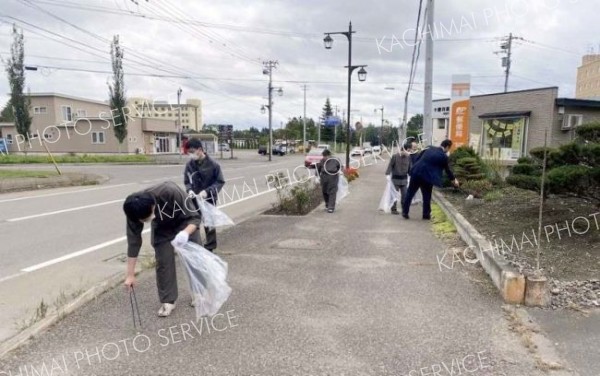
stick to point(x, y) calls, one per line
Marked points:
point(426, 173)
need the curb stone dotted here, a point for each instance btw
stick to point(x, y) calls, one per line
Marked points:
point(507, 279)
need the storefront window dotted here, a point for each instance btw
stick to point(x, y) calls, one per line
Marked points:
point(503, 138)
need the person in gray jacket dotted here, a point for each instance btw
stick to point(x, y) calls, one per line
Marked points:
point(397, 170)
point(203, 177)
point(174, 222)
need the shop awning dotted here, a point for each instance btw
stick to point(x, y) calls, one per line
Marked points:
point(508, 114)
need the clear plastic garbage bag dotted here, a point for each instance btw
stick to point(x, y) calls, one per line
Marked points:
point(342, 190)
point(211, 216)
point(418, 198)
point(207, 278)
point(390, 195)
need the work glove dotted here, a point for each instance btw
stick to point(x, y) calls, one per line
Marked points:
point(203, 194)
point(180, 239)
point(191, 194)
point(388, 177)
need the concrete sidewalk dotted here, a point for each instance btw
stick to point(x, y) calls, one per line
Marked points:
point(357, 292)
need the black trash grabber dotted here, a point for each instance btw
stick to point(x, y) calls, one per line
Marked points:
point(132, 299)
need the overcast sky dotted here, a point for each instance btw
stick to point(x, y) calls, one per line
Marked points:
point(224, 48)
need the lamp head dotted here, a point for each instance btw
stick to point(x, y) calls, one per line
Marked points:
point(362, 74)
point(328, 41)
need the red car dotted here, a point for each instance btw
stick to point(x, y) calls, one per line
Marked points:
point(313, 157)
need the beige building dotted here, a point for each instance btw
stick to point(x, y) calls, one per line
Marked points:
point(588, 78)
point(506, 126)
point(67, 124)
point(191, 111)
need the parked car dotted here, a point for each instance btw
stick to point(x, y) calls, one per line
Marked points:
point(313, 157)
point(377, 149)
point(357, 151)
point(223, 147)
point(323, 146)
point(262, 150)
point(368, 150)
point(279, 150)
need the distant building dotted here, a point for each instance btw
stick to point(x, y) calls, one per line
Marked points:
point(67, 124)
point(191, 111)
point(588, 78)
point(441, 120)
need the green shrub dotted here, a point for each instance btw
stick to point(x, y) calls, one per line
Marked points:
point(572, 179)
point(525, 160)
point(493, 195)
point(477, 188)
point(468, 168)
point(463, 152)
point(526, 169)
point(528, 182)
point(589, 132)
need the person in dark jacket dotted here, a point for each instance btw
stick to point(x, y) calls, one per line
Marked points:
point(397, 171)
point(203, 177)
point(175, 221)
point(426, 173)
point(328, 170)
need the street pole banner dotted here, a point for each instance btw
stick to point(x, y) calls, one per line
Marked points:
point(459, 110)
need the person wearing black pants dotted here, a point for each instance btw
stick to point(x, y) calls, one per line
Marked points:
point(203, 177)
point(174, 222)
point(426, 173)
point(328, 170)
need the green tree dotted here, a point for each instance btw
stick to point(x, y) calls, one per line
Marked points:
point(6, 114)
point(415, 126)
point(326, 132)
point(19, 103)
point(117, 100)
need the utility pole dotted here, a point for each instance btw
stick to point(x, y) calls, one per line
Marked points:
point(427, 106)
point(304, 124)
point(506, 48)
point(179, 122)
point(269, 66)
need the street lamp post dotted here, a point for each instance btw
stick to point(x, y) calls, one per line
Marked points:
point(362, 75)
point(380, 129)
point(179, 122)
point(269, 65)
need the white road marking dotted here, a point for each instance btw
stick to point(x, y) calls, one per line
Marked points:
point(63, 211)
point(11, 277)
point(64, 193)
point(76, 254)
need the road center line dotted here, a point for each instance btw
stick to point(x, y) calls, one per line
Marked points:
point(63, 211)
point(76, 254)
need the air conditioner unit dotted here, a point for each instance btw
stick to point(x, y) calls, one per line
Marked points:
point(571, 121)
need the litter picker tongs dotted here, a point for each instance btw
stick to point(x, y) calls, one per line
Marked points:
point(132, 299)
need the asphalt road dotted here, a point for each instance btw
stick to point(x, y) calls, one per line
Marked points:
point(59, 242)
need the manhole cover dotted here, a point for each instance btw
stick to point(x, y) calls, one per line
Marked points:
point(299, 244)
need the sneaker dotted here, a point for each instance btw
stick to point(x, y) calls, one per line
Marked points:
point(166, 309)
point(330, 210)
point(405, 215)
point(426, 218)
point(395, 212)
